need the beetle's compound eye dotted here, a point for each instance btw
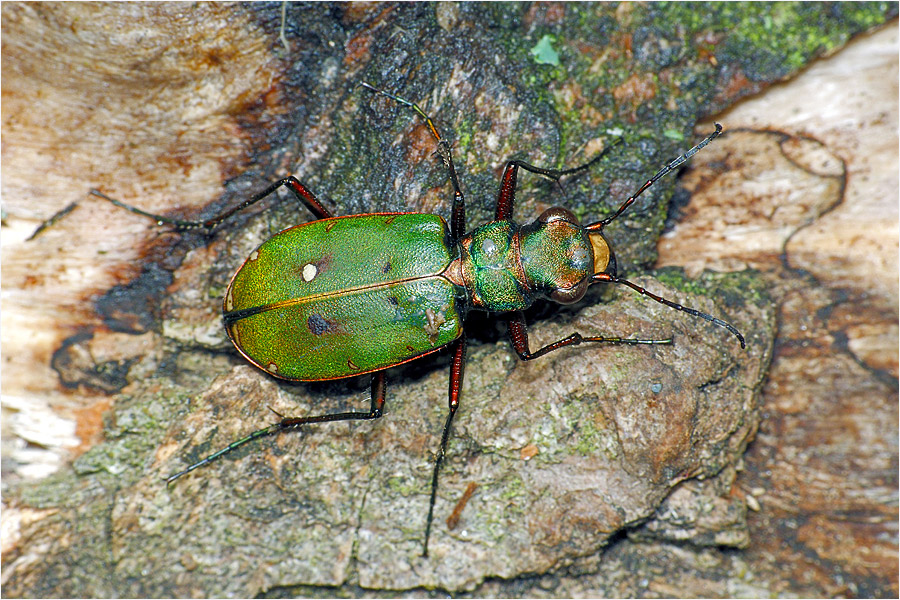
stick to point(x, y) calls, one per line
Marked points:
point(572, 294)
point(558, 213)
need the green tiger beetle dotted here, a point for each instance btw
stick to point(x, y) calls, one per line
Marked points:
point(343, 296)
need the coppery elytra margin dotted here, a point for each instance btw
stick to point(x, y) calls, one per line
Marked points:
point(343, 296)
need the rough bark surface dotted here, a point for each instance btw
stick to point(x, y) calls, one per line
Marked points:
point(117, 372)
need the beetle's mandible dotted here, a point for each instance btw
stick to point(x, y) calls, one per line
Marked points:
point(297, 313)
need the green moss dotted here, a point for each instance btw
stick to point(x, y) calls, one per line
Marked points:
point(404, 486)
point(593, 441)
point(674, 277)
point(515, 487)
point(729, 288)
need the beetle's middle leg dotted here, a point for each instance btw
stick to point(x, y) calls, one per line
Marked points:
point(518, 336)
point(288, 423)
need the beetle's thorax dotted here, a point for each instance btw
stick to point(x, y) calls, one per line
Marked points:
point(505, 266)
point(489, 267)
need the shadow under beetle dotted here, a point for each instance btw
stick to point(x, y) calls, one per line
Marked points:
point(306, 304)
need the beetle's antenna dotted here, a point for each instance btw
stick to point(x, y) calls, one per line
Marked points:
point(606, 277)
point(670, 166)
point(412, 105)
point(281, 35)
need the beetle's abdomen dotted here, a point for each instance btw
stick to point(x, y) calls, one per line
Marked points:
point(340, 297)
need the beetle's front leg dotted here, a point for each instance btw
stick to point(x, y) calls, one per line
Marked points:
point(518, 336)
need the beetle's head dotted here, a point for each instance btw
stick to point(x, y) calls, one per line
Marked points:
point(562, 256)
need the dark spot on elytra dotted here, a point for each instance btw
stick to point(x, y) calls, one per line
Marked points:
point(390, 220)
point(317, 324)
point(329, 226)
point(394, 301)
point(387, 268)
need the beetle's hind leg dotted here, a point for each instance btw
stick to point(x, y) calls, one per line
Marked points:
point(518, 336)
point(376, 410)
point(306, 197)
point(458, 211)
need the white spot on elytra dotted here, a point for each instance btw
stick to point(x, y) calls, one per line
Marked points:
point(254, 255)
point(433, 322)
point(309, 272)
point(272, 368)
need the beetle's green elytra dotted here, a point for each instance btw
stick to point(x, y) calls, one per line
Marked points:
point(342, 296)
point(342, 283)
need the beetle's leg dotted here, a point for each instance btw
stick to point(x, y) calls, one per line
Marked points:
point(456, 381)
point(52, 220)
point(288, 423)
point(506, 199)
point(458, 211)
point(518, 336)
point(292, 183)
